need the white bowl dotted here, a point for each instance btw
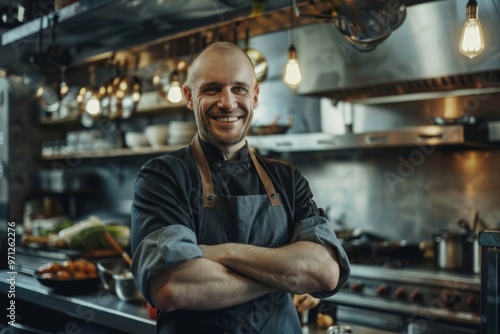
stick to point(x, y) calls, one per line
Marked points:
point(157, 135)
point(181, 126)
point(136, 139)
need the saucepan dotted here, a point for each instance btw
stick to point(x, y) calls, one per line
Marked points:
point(450, 248)
point(458, 249)
point(259, 61)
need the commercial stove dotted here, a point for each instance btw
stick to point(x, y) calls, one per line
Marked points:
point(410, 298)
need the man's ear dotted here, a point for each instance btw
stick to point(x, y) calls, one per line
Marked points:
point(256, 97)
point(188, 96)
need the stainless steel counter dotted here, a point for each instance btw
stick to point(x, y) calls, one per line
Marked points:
point(100, 307)
point(356, 329)
point(103, 308)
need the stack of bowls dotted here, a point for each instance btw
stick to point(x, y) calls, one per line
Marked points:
point(181, 132)
point(157, 135)
point(136, 139)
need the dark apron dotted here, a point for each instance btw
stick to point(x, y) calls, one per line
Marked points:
point(253, 219)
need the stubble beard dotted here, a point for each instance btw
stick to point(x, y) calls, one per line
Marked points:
point(217, 140)
point(206, 131)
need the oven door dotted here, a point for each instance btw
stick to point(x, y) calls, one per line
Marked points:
point(382, 321)
point(439, 328)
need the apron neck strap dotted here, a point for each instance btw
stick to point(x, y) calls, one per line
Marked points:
point(207, 187)
point(208, 193)
point(266, 180)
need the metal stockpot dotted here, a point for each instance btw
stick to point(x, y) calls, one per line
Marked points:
point(474, 251)
point(451, 251)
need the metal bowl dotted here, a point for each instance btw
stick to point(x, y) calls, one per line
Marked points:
point(126, 289)
point(116, 277)
point(280, 125)
point(264, 130)
point(107, 268)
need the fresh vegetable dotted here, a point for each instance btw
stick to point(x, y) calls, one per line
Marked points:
point(89, 234)
point(68, 233)
point(50, 226)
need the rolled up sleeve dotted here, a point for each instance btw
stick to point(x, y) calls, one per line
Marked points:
point(319, 230)
point(161, 250)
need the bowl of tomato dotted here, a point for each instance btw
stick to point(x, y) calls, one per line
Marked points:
point(69, 277)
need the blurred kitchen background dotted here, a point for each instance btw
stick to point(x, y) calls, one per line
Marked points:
point(397, 137)
point(398, 190)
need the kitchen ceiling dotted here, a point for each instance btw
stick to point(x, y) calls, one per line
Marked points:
point(91, 28)
point(94, 30)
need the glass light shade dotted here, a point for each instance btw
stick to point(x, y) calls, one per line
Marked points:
point(292, 76)
point(174, 92)
point(64, 88)
point(93, 106)
point(471, 42)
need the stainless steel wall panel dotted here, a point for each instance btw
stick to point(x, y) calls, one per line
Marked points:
point(424, 46)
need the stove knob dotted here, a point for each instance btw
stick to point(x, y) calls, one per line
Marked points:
point(357, 287)
point(416, 296)
point(382, 290)
point(449, 298)
point(473, 302)
point(400, 293)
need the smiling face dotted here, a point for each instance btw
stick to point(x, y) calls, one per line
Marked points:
point(222, 91)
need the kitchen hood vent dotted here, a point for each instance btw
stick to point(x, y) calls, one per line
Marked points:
point(460, 84)
point(428, 135)
point(419, 60)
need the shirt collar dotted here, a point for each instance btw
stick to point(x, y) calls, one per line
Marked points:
point(213, 154)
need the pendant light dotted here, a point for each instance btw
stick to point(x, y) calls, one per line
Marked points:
point(471, 42)
point(93, 106)
point(63, 85)
point(292, 76)
point(174, 92)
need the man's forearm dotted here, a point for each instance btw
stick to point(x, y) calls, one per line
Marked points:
point(201, 284)
point(301, 267)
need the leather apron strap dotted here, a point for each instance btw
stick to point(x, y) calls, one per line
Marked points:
point(207, 187)
point(208, 193)
point(264, 178)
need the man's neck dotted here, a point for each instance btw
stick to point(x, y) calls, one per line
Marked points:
point(231, 152)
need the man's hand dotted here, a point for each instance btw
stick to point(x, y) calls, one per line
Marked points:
point(305, 302)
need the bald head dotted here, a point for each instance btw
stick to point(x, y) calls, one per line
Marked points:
point(222, 49)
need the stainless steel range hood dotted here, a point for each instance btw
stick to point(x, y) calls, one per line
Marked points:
point(418, 60)
point(430, 135)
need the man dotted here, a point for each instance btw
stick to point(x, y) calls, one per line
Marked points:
point(221, 236)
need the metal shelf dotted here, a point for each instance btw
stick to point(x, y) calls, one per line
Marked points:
point(430, 135)
point(119, 152)
point(149, 105)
